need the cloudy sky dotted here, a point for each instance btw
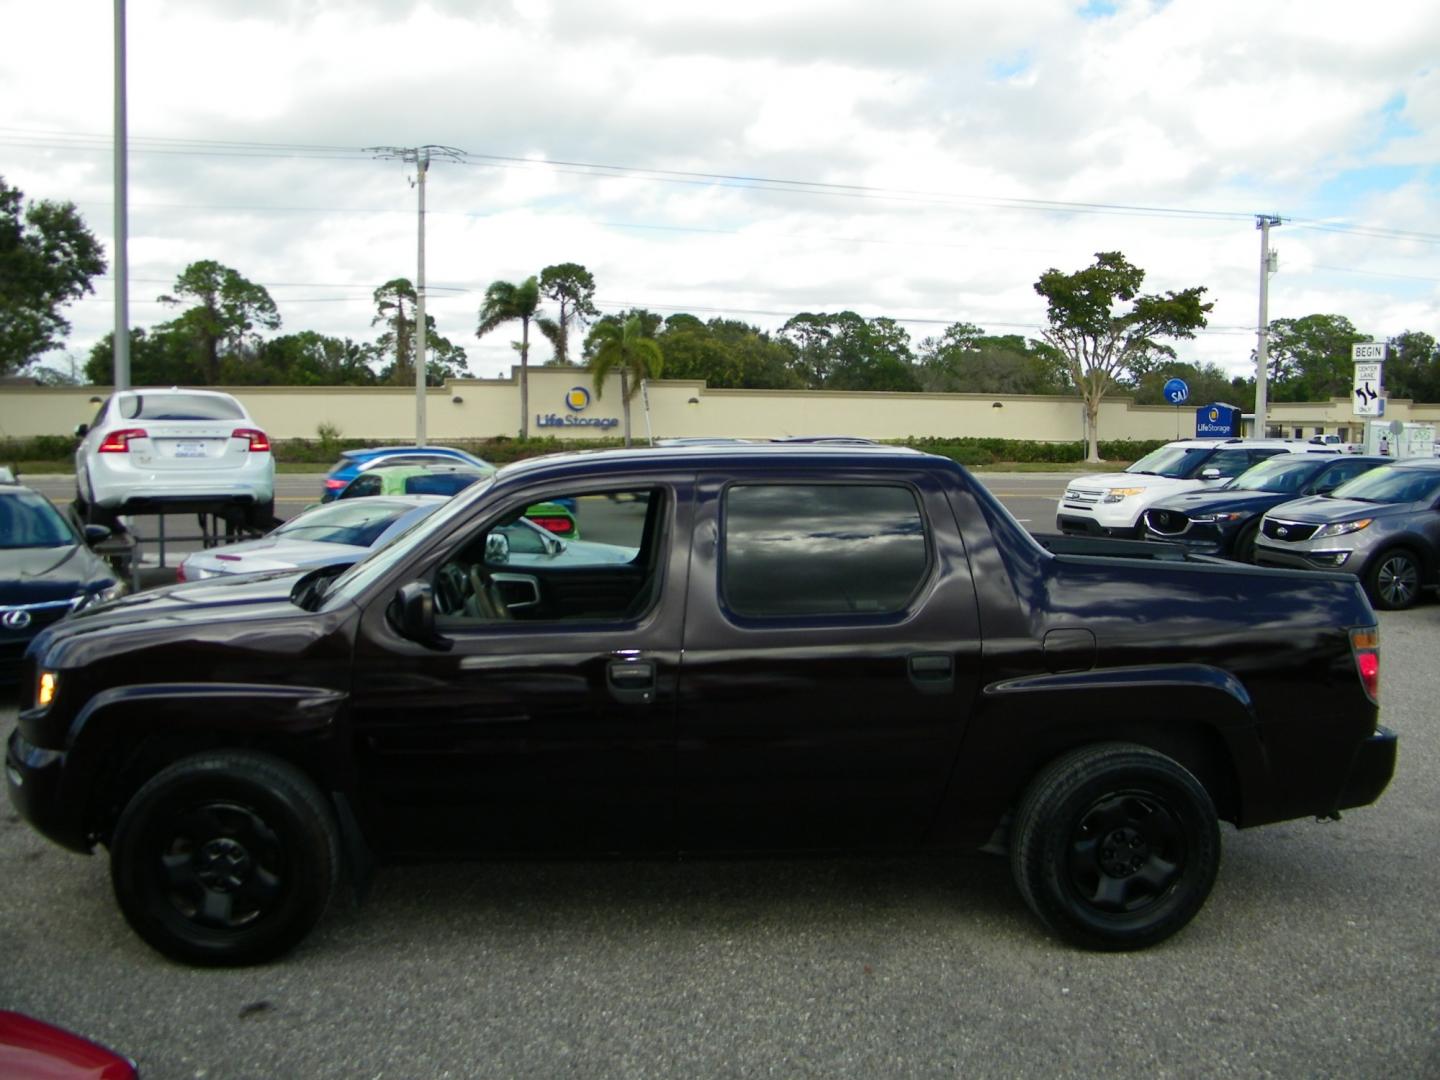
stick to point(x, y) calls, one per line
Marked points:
point(753, 158)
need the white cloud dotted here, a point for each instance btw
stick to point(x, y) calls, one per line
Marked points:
point(951, 111)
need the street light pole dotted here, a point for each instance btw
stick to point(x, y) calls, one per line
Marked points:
point(1263, 222)
point(419, 156)
point(122, 227)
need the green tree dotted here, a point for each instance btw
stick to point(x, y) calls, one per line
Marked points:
point(1207, 383)
point(845, 351)
point(312, 359)
point(965, 360)
point(163, 356)
point(1310, 358)
point(572, 287)
point(226, 309)
point(1412, 367)
point(508, 302)
point(623, 345)
point(395, 307)
point(1103, 343)
point(47, 259)
point(726, 354)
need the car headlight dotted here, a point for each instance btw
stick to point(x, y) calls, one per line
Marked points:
point(99, 596)
point(1219, 519)
point(1341, 528)
point(1116, 494)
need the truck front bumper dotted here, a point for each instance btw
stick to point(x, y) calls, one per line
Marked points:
point(33, 776)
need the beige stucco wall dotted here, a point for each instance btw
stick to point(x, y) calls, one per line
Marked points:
point(483, 408)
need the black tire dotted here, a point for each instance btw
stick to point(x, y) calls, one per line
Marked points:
point(1115, 847)
point(225, 858)
point(261, 516)
point(1244, 549)
point(1393, 580)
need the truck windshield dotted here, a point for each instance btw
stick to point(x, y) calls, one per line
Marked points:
point(366, 572)
point(1176, 462)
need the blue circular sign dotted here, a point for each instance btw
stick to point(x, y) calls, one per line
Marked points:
point(1176, 392)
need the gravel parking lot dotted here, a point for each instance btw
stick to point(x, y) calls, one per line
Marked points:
point(1318, 955)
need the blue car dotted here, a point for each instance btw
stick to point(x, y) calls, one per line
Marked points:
point(353, 462)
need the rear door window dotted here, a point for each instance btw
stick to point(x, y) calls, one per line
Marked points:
point(822, 549)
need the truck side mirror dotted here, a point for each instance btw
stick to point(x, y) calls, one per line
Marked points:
point(413, 613)
point(497, 549)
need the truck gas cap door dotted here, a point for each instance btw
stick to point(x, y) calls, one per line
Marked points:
point(1069, 650)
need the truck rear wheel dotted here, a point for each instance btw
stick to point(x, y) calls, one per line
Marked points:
point(225, 858)
point(1115, 847)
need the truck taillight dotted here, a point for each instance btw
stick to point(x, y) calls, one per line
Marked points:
point(118, 441)
point(258, 439)
point(1365, 644)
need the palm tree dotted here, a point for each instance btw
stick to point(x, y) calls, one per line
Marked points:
point(622, 345)
point(506, 302)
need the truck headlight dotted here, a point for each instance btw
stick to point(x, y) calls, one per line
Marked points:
point(1341, 528)
point(45, 690)
point(1114, 495)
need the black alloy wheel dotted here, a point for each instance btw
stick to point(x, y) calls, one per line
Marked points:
point(1115, 847)
point(225, 858)
point(1393, 580)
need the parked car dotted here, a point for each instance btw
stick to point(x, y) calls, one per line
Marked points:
point(31, 1049)
point(47, 570)
point(1224, 521)
point(557, 516)
point(1110, 504)
point(335, 534)
point(813, 648)
point(1383, 527)
point(353, 462)
point(166, 451)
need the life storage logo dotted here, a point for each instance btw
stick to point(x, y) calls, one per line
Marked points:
point(577, 399)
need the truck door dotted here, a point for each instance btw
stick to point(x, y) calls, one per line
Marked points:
point(830, 662)
point(544, 720)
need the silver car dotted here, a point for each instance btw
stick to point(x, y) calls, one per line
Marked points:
point(1383, 527)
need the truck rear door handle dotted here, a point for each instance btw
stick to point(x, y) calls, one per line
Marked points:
point(631, 682)
point(932, 673)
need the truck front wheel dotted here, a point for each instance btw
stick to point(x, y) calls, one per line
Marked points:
point(1115, 847)
point(225, 858)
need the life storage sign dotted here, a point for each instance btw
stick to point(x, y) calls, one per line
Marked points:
point(1217, 422)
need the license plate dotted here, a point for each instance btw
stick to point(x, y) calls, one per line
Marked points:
point(189, 449)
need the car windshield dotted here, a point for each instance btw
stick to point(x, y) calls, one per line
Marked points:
point(1177, 462)
point(379, 563)
point(359, 522)
point(1285, 474)
point(179, 407)
point(27, 520)
point(1391, 484)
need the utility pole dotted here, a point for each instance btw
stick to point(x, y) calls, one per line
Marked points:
point(122, 226)
point(1268, 265)
point(419, 156)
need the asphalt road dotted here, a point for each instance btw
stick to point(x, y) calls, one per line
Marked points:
point(1318, 955)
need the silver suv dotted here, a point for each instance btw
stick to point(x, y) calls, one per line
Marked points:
point(1383, 527)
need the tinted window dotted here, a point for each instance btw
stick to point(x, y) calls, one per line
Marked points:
point(438, 483)
point(1233, 462)
point(362, 487)
point(27, 520)
point(824, 549)
point(1283, 474)
point(179, 407)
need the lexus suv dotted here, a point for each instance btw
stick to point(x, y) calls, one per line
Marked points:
point(1383, 527)
point(1110, 504)
point(163, 451)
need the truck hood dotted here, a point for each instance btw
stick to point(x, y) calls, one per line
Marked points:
point(201, 602)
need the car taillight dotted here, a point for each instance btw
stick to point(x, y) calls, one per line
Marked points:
point(258, 439)
point(1365, 644)
point(118, 441)
point(333, 483)
point(557, 525)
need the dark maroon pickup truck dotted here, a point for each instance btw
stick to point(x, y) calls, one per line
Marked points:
point(749, 648)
